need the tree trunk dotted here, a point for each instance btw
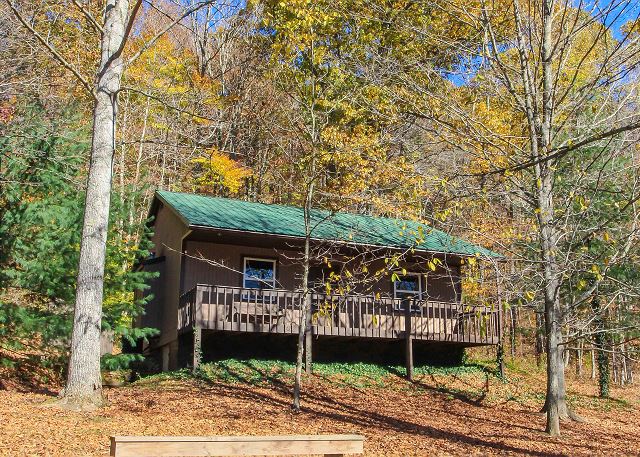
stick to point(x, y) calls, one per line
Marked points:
point(303, 321)
point(305, 316)
point(600, 353)
point(624, 373)
point(579, 360)
point(614, 364)
point(83, 388)
point(554, 367)
point(555, 403)
point(514, 328)
point(539, 338)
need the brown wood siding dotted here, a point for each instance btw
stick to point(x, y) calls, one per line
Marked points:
point(169, 231)
point(288, 264)
point(154, 307)
point(442, 284)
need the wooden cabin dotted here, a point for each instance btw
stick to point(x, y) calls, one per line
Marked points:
point(235, 268)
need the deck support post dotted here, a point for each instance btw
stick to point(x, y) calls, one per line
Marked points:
point(408, 339)
point(197, 348)
point(197, 331)
point(308, 334)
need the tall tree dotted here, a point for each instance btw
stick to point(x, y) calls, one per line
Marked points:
point(84, 381)
point(84, 385)
point(336, 154)
point(517, 102)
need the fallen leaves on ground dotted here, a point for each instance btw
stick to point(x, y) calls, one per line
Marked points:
point(468, 414)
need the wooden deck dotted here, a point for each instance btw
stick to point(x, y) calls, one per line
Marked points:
point(236, 309)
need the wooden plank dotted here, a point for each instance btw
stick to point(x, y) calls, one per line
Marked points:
point(162, 446)
point(240, 438)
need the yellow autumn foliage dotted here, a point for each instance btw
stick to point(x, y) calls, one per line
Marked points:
point(219, 174)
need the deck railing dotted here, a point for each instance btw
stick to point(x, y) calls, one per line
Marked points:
point(279, 311)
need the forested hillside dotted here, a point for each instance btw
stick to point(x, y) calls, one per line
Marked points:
point(511, 124)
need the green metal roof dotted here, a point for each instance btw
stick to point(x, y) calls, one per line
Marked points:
point(225, 213)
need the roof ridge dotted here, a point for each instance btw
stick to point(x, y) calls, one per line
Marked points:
point(283, 205)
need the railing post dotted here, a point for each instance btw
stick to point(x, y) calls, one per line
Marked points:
point(408, 338)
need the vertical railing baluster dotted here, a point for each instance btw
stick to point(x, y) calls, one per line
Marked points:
point(349, 321)
point(474, 325)
point(377, 312)
point(228, 310)
point(258, 325)
point(216, 319)
point(235, 325)
point(208, 291)
point(384, 327)
point(271, 309)
point(355, 319)
point(488, 317)
point(292, 313)
point(422, 305)
point(334, 314)
point(457, 322)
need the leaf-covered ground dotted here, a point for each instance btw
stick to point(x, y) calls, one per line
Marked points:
point(461, 411)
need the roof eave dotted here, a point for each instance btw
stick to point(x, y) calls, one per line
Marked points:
point(344, 242)
point(157, 198)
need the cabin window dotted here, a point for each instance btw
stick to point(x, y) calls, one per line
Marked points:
point(408, 286)
point(259, 273)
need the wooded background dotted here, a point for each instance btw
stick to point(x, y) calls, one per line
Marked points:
point(511, 124)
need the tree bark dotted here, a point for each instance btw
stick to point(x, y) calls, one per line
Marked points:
point(304, 322)
point(601, 357)
point(304, 328)
point(539, 346)
point(580, 360)
point(83, 388)
point(513, 313)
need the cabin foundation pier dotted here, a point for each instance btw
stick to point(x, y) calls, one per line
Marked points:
point(197, 349)
point(408, 340)
point(308, 350)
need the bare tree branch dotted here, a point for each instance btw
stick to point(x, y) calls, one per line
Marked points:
point(52, 50)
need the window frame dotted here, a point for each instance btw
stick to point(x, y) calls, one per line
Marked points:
point(420, 288)
point(260, 259)
point(419, 295)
